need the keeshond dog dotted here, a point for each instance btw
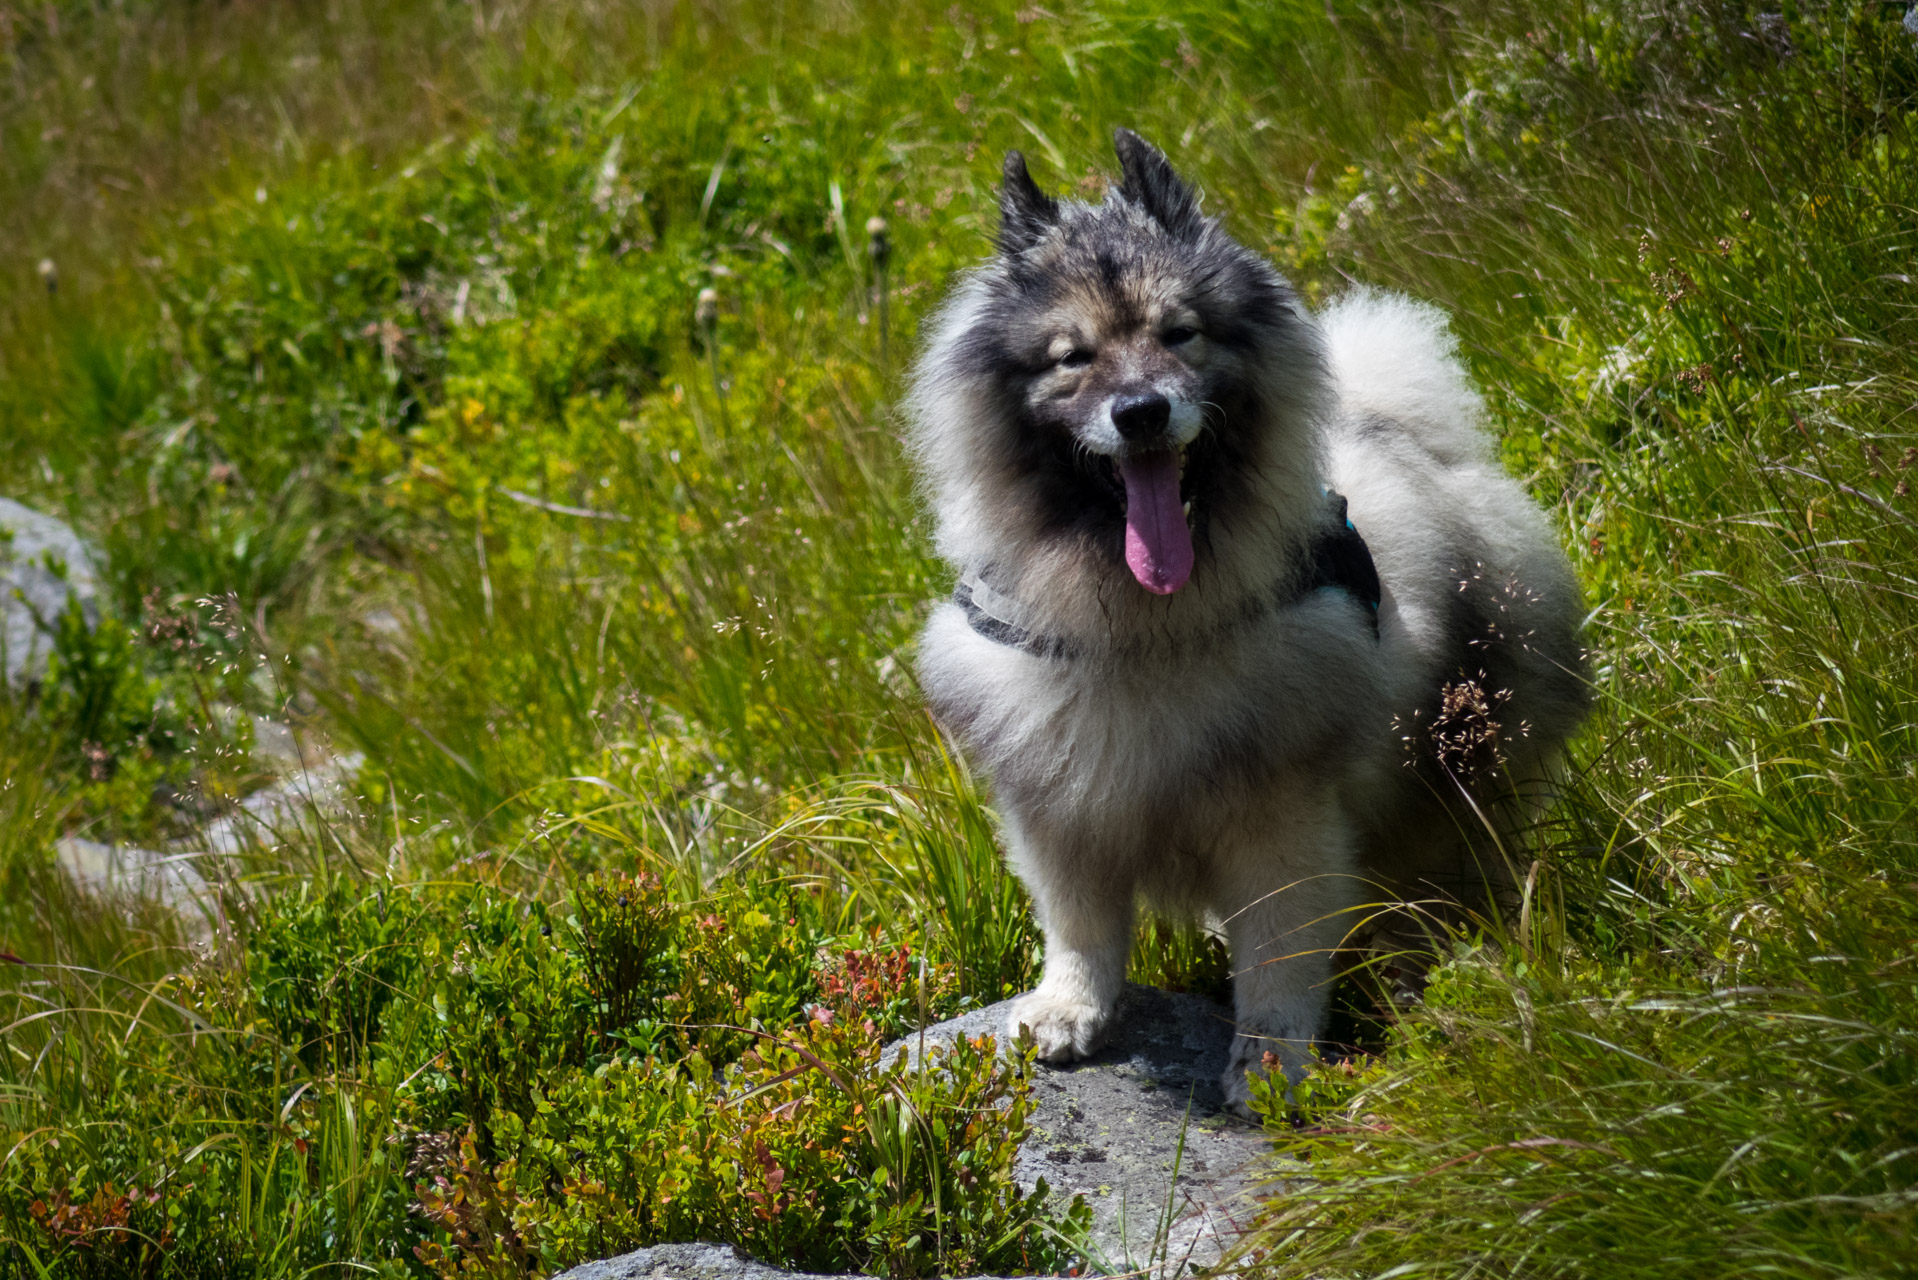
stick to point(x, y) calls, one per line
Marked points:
point(1250, 622)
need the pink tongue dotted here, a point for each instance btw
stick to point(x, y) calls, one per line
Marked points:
point(1158, 546)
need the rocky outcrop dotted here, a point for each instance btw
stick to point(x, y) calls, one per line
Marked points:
point(43, 564)
point(1140, 1130)
point(679, 1262)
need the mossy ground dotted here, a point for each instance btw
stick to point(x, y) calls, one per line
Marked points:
point(372, 367)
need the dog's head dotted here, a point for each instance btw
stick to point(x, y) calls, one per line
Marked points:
point(1120, 379)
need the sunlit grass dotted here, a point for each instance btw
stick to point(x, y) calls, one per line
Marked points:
point(400, 347)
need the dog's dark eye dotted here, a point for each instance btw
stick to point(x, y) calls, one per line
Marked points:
point(1076, 358)
point(1179, 336)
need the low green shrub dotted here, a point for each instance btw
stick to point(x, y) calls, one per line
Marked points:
point(453, 1075)
point(811, 1153)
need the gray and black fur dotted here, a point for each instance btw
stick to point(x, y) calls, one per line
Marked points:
point(1258, 745)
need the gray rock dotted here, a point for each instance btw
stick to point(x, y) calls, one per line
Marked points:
point(678, 1262)
point(124, 870)
point(309, 795)
point(189, 875)
point(1114, 1128)
point(43, 563)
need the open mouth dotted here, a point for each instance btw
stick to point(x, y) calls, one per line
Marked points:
point(1158, 518)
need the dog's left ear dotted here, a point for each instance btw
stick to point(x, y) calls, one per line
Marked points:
point(1151, 184)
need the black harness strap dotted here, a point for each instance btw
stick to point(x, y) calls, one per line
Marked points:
point(1338, 560)
point(999, 631)
point(1342, 561)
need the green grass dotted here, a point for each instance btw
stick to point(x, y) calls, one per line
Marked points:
point(358, 308)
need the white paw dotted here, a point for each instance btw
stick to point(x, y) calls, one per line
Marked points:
point(1061, 1027)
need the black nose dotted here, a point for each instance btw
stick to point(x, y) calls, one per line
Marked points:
point(1141, 417)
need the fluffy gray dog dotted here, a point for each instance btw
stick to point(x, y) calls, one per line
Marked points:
point(1250, 621)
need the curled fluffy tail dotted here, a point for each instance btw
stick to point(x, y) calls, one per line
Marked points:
point(1395, 359)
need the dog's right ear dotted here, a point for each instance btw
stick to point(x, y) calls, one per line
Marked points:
point(1025, 212)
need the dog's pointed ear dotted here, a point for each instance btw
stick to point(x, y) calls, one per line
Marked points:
point(1151, 184)
point(1025, 212)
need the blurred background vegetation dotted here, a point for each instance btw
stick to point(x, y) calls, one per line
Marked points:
point(361, 340)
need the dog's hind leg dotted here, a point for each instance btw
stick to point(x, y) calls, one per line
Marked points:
point(1085, 911)
point(1294, 889)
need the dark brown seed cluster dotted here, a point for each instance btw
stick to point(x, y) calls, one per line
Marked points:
point(1465, 736)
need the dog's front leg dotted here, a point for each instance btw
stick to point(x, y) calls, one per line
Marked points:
point(1085, 911)
point(1293, 891)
